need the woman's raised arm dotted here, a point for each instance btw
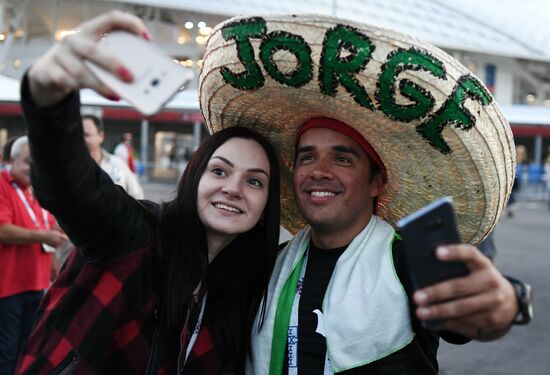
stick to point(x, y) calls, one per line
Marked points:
point(99, 217)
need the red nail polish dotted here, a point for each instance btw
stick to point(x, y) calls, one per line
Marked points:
point(124, 73)
point(145, 35)
point(113, 97)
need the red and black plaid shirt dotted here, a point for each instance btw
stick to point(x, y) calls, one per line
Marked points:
point(99, 315)
point(100, 320)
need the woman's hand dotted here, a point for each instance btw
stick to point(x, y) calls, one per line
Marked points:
point(61, 70)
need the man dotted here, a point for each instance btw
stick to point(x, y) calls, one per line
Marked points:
point(382, 125)
point(125, 151)
point(26, 234)
point(115, 167)
point(6, 152)
point(336, 184)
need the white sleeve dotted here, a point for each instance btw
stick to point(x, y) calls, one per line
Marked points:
point(122, 152)
point(128, 179)
point(133, 186)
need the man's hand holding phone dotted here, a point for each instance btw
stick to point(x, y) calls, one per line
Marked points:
point(479, 304)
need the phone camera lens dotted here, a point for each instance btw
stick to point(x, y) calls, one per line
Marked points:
point(155, 82)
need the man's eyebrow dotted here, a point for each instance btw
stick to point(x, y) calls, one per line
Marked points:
point(337, 148)
point(304, 149)
point(252, 170)
point(346, 150)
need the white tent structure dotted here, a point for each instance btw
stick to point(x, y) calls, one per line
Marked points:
point(9, 89)
point(496, 27)
point(513, 37)
point(186, 100)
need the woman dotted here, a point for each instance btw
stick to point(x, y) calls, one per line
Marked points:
point(151, 289)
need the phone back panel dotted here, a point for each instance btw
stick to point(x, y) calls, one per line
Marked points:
point(421, 236)
point(156, 76)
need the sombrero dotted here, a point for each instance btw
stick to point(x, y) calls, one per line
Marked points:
point(435, 126)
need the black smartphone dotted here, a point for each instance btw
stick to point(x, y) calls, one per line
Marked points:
point(422, 232)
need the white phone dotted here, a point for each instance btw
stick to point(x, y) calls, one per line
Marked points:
point(156, 76)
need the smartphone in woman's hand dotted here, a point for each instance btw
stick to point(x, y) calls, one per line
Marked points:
point(156, 76)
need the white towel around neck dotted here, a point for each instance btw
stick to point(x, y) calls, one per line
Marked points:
point(365, 308)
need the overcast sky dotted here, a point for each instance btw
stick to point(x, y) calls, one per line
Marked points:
point(527, 19)
point(518, 8)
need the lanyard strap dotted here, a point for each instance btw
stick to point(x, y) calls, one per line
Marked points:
point(293, 337)
point(29, 209)
point(285, 326)
point(196, 329)
point(193, 339)
point(282, 320)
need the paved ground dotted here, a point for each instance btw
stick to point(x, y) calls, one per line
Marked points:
point(523, 244)
point(523, 250)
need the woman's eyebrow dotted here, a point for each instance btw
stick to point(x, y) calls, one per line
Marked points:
point(254, 170)
point(258, 170)
point(224, 160)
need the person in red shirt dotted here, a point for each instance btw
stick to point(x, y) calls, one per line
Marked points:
point(27, 234)
point(125, 151)
point(6, 150)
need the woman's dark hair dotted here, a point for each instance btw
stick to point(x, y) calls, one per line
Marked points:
point(236, 279)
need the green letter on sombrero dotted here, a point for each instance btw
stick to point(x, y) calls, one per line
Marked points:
point(397, 62)
point(241, 31)
point(336, 68)
point(454, 113)
point(292, 43)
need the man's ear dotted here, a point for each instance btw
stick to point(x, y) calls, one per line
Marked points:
point(377, 184)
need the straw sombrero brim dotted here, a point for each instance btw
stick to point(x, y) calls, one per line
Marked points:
point(459, 144)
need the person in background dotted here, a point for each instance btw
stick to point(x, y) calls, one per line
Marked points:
point(27, 235)
point(511, 204)
point(125, 151)
point(6, 151)
point(115, 167)
point(521, 169)
point(488, 246)
point(547, 177)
